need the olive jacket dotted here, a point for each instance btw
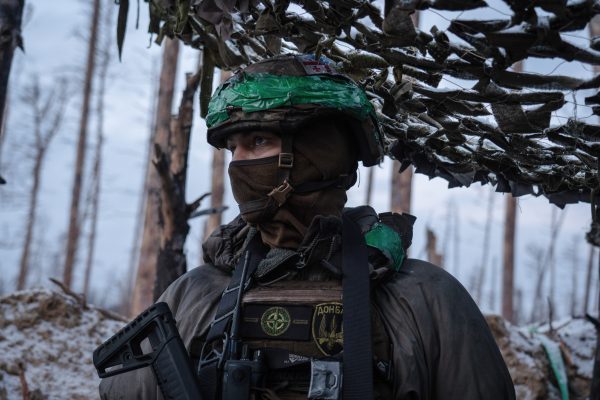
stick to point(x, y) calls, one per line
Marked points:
point(442, 347)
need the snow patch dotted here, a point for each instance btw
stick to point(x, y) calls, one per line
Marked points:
point(47, 340)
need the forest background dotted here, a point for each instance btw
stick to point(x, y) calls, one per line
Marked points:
point(553, 262)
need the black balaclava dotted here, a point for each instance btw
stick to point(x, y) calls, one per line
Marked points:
point(324, 167)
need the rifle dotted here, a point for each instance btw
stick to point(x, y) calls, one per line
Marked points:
point(152, 339)
point(240, 372)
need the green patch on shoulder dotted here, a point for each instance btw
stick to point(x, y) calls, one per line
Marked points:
point(388, 241)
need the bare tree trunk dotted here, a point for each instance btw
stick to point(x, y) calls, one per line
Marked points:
point(518, 311)
point(74, 223)
point(217, 190)
point(11, 15)
point(134, 254)
point(96, 170)
point(369, 192)
point(3, 126)
point(401, 192)
point(574, 254)
point(508, 258)
point(538, 309)
point(49, 111)
point(588, 280)
point(31, 217)
point(401, 189)
point(551, 259)
point(508, 253)
point(171, 163)
point(456, 240)
point(546, 262)
point(95, 199)
point(448, 228)
point(493, 286)
point(146, 271)
point(485, 249)
point(432, 255)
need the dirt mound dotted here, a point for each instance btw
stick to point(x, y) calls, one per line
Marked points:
point(46, 343)
point(528, 362)
point(47, 339)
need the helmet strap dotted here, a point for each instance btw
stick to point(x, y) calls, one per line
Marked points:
point(286, 157)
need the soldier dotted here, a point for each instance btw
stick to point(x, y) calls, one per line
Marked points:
point(317, 301)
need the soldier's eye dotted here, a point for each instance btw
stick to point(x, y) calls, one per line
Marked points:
point(259, 140)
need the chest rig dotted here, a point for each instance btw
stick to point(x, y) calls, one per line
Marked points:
point(298, 339)
point(298, 325)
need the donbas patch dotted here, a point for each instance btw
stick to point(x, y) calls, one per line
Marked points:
point(328, 328)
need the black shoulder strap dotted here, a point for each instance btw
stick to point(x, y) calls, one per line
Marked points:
point(358, 357)
point(226, 308)
point(208, 368)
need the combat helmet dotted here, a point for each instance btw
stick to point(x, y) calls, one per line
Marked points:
point(284, 93)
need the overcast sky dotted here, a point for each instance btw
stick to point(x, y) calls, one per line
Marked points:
point(54, 47)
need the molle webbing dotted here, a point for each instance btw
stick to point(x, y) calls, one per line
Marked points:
point(288, 359)
point(300, 300)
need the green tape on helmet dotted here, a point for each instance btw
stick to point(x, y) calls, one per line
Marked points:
point(262, 92)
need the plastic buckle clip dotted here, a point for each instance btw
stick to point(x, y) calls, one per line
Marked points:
point(325, 380)
point(286, 160)
point(281, 193)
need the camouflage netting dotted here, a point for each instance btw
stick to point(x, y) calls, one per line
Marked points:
point(498, 132)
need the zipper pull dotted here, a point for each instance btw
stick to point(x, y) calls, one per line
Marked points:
point(301, 263)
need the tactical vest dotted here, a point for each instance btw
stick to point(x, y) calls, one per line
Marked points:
point(302, 321)
point(289, 338)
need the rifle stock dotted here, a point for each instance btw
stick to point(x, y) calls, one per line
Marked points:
point(152, 339)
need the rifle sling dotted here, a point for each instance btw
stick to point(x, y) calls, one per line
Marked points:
point(358, 357)
point(227, 304)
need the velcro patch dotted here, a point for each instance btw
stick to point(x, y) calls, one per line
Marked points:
point(327, 328)
point(281, 322)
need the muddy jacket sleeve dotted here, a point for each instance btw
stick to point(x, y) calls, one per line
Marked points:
point(192, 299)
point(442, 346)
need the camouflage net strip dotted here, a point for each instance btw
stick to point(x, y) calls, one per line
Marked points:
point(498, 132)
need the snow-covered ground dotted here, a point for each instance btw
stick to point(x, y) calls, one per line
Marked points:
point(47, 339)
point(46, 345)
point(523, 351)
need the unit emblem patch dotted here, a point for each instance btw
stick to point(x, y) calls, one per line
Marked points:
point(327, 328)
point(275, 321)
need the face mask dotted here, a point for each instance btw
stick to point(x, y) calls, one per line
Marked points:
point(283, 212)
point(251, 183)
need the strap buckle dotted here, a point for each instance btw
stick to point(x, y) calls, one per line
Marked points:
point(325, 380)
point(281, 192)
point(286, 160)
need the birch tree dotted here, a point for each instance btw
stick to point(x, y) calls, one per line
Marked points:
point(47, 112)
point(74, 212)
point(97, 162)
